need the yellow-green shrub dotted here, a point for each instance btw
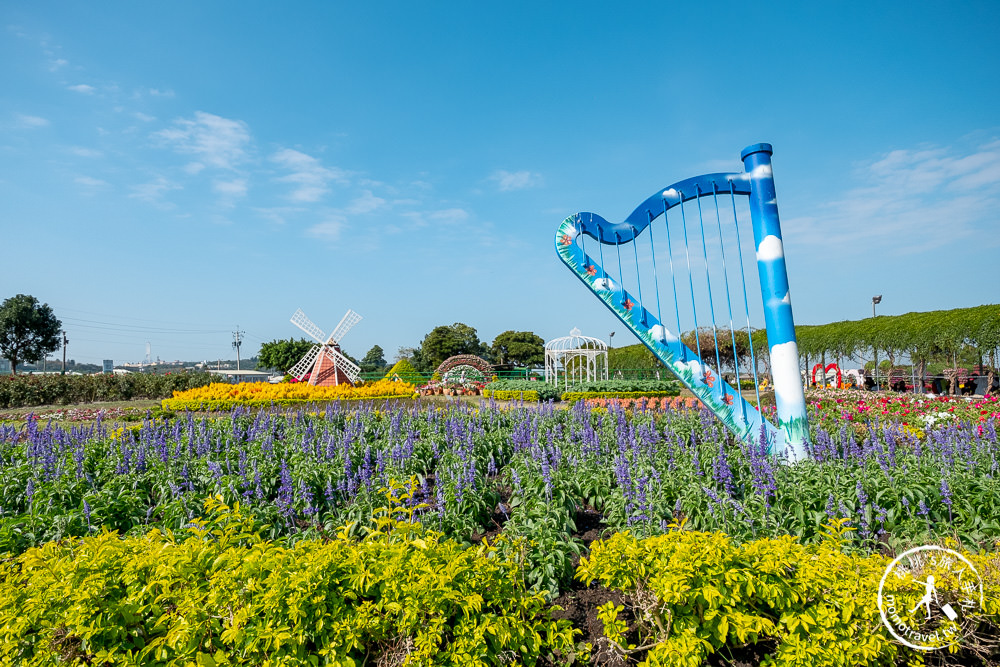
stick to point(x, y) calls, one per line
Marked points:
point(224, 596)
point(508, 395)
point(696, 592)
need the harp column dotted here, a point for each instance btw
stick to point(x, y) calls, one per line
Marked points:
point(788, 391)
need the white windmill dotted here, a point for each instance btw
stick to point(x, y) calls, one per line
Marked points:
point(327, 363)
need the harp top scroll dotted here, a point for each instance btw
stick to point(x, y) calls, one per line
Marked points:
point(708, 185)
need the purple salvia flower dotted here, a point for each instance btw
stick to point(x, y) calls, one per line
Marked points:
point(946, 496)
point(285, 492)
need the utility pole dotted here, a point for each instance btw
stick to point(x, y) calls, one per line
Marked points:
point(237, 341)
point(65, 343)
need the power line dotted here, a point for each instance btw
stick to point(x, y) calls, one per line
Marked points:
point(134, 327)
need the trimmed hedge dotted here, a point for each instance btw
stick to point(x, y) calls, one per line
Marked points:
point(511, 395)
point(532, 390)
point(513, 390)
point(17, 391)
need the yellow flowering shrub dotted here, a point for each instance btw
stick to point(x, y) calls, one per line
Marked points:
point(224, 396)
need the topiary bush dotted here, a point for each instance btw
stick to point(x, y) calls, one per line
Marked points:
point(405, 371)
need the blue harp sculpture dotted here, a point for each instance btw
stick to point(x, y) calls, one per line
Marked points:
point(606, 257)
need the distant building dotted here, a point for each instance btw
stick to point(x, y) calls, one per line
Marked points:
point(240, 376)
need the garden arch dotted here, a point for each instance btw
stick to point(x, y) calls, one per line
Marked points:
point(575, 358)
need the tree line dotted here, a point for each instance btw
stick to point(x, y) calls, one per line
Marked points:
point(510, 348)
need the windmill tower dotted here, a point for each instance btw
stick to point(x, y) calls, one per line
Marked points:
point(327, 364)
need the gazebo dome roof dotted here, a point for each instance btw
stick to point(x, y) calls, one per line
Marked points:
point(575, 341)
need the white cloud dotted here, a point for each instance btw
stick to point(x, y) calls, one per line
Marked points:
point(770, 249)
point(154, 190)
point(309, 176)
point(145, 118)
point(278, 214)
point(156, 92)
point(328, 230)
point(508, 181)
point(911, 200)
point(89, 181)
point(762, 171)
point(24, 120)
point(232, 189)
point(82, 88)
point(366, 203)
point(217, 141)
point(449, 216)
point(58, 63)
point(85, 152)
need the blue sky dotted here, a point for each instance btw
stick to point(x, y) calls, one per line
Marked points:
point(169, 171)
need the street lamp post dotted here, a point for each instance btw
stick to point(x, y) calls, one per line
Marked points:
point(876, 300)
point(610, 336)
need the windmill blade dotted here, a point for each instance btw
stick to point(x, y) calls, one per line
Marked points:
point(300, 320)
point(350, 369)
point(305, 364)
point(346, 323)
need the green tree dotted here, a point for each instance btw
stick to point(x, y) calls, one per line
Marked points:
point(522, 348)
point(281, 355)
point(447, 341)
point(374, 360)
point(28, 330)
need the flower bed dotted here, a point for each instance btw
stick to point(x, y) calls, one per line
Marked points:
point(29, 390)
point(222, 396)
point(644, 403)
point(830, 408)
point(529, 390)
point(574, 396)
point(225, 594)
point(559, 479)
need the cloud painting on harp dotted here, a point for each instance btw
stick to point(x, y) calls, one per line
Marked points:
point(677, 263)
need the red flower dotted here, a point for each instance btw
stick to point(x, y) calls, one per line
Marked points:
point(590, 269)
point(727, 399)
point(709, 378)
point(627, 303)
point(565, 239)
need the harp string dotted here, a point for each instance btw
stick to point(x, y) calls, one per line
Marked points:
point(687, 254)
point(656, 275)
point(708, 283)
point(746, 303)
point(673, 279)
point(729, 302)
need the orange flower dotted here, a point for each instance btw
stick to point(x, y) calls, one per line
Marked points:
point(709, 378)
point(565, 239)
point(590, 269)
point(627, 304)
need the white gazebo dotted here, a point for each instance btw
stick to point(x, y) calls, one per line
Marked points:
point(575, 358)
